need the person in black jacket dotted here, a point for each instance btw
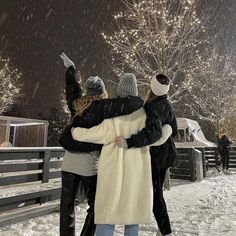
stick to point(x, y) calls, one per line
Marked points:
point(159, 112)
point(224, 148)
point(78, 167)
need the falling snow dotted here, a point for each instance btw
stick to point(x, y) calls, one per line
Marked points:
point(33, 34)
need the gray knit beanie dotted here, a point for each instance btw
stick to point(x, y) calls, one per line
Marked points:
point(94, 86)
point(127, 86)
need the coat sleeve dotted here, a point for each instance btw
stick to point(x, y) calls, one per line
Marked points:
point(100, 134)
point(67, 142)
point(73, 88)
point(174, 127)
point(228, 142)
point(120, 106)
point(166, 133)
point(149, 134)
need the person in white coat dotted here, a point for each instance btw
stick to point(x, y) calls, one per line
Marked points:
point(124, 185)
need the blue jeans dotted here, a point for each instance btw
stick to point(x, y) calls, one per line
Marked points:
point(108, 230)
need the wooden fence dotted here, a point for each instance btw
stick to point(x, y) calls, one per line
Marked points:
point(40, 165)
point(187, 165)
point(210, 155)
point(36, 164)
point(23, 166)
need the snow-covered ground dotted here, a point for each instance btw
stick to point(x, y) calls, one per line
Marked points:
point(28, 188)
point(206, 208)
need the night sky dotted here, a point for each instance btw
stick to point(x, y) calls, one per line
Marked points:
point(33, 33)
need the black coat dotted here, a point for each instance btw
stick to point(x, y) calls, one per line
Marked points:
point(94, 115)
point(159, 112)
point(73, 89)
point(224, 145)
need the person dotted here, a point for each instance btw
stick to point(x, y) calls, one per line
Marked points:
point(224, 149)
point(159, 112)
point(124, 187)
point(78, 171)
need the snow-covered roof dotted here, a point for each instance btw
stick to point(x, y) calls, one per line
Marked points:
point(16, 121)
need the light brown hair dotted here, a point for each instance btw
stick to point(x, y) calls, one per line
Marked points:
point(83, 103)
point(150, 96)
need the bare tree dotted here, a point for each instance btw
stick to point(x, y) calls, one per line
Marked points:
point(10, 85)
point(212, 97)
point(229, 126)
point(64, 105)
point(162, 36)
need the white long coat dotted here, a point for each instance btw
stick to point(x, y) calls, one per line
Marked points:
point(124, 187)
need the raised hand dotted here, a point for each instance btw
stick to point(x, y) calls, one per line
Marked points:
point(67, 62)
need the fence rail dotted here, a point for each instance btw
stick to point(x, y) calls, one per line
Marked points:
point(22, 165)
point(28, 165)
point(211, 154)
point(186, 165)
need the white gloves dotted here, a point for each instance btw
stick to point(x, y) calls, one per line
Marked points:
point(67, 62)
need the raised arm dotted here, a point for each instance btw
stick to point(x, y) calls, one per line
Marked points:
point(100, 134)
point(72, 83)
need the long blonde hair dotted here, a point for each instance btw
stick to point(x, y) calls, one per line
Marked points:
point(84, 102)
point(150, 96)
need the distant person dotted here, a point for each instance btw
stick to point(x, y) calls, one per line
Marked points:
point(224, 148)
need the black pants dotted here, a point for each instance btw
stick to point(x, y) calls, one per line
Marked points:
point(225, 159)
point(159, 205)
point(70, 185)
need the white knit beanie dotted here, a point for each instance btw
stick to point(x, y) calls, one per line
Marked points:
point(127, 86)
point(160, 84)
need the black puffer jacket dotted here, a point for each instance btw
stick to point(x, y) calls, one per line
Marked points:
point(94, 115)
point(73, 88)
point(224, 144)
point(159, 112)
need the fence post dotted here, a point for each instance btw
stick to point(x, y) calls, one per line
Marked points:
point(198, 164)
point(204, 161)
point(192, 164)
point(46, 162)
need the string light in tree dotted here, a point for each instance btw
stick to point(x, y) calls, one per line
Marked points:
point(159, 37)
point(10, 85)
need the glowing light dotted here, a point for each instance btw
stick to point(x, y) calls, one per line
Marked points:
point(10, 85)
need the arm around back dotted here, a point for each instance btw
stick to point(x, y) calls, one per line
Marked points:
point(100, 134)
point(69, 144)
point(121, 106)
point(109, 108)
point(166, 133)
point(148, 135)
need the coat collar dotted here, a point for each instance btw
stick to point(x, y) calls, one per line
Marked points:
point(158, 98)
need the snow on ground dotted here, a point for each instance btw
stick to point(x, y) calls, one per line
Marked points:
point(6, 191)
point(206, 208)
